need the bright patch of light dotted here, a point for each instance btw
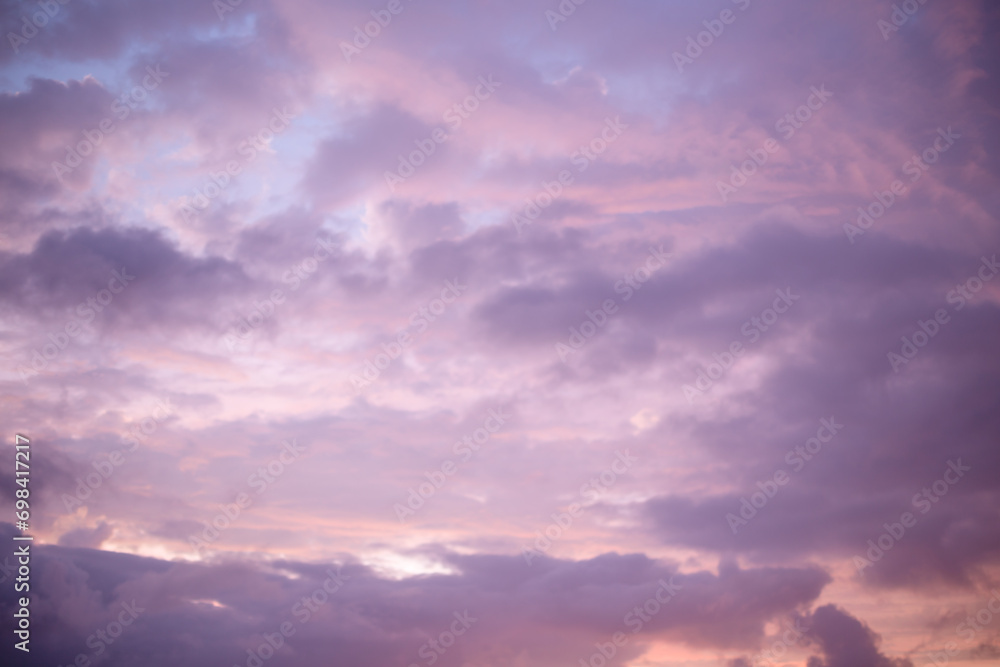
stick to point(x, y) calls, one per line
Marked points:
point(211, 603)
point(392, 565)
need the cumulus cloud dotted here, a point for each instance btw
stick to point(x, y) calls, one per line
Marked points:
point(222, 609)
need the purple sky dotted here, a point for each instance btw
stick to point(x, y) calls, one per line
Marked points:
point(638, 334)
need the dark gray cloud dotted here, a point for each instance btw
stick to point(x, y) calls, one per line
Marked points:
point(200, 613)
point(846, 642)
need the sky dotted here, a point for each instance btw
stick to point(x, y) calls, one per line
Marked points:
point(501, 334)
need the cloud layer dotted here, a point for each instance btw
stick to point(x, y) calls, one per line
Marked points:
point(524, 313)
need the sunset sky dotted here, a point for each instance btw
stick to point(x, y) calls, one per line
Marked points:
point(502, 334)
